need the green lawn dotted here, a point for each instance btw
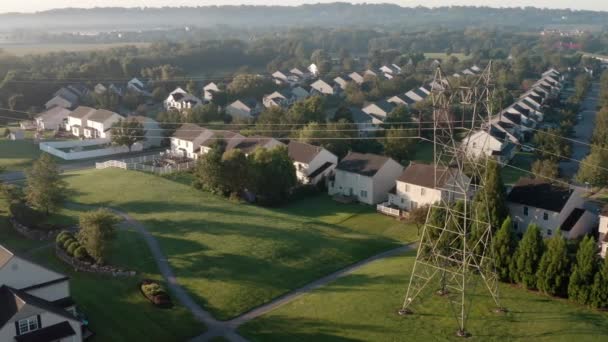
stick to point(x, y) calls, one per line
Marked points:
point(522, 160)
point(363, 305)
point(233, 257)
point(17, 155)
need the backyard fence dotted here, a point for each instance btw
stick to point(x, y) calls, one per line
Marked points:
point(158, 164)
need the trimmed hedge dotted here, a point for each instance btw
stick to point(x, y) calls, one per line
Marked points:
point(72, 247)
point(81, 253)
point(66, 243)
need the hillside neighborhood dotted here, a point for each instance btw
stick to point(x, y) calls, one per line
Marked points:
point(268, 184)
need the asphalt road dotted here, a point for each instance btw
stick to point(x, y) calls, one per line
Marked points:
point(16, 176)
point(582, 132)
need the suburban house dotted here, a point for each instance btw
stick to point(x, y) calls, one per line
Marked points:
point(392, 69)
point(64, 97)
point(365, 177)
point(99, 124)
point(380, 109)
point(52, 119)
point(281, 76)
point(342, 81)
point(603, 230)
point(252, 143)
point(312, 163)
point(77, 120)
point(35, 303)
point(401, 100)
point(300, 92)
point(231, 139)
point(187, 140)
point(299, 73)
point(366, 124)
point(492, 143)
point(416, 95)
point(356, 77)
point(280, 98)
point(153, 135)
point(424, 184)
point(137, 86)
point(208, 91)
point(551, 206)
point(180, 99)
point(245, 108)
point(322, 88)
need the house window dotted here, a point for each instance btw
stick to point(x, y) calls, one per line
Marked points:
point(549, 232)
point(28, 324)
point(525, 211)
point(422, 191)
point(407, 188)
point(516, 225)
point(402, 200)
point(413, 205)
point(363, 193)
point(545, 216)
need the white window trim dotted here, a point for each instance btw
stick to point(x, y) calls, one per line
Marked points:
point(29, 322)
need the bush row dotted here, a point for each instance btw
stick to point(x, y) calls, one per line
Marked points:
point(67, 241)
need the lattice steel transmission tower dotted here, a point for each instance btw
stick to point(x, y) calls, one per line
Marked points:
point(454, 252)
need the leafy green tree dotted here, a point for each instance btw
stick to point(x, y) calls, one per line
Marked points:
point(583, 271)
point(272, 175)
point(594, 168)
point(553, 270)
point(235, 171)
point(203, 114)
point(399, 144)
point(309, 110)
point(45, 189)
point(209, 170)
point(97, 230)
point(16, 102)
point(418, 217)
point(191, 88)
point(344, 114)
point(400, 115)
point(127, 132)
point(503, 246)
point(545, 168)
point(527, 257)
point(354, 94)
point(599, 292)
point(491, 199)
point(335, 137)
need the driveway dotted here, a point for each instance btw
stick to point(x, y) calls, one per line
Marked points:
point(583, 131)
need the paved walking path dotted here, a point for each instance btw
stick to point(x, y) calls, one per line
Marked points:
point(227, 329)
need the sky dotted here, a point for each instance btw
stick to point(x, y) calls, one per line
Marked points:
point(40, 5)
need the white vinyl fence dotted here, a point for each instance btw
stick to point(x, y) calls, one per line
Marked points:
point(83, 149)
point(141, 164)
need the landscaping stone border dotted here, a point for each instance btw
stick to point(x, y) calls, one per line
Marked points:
point(83, 266)
point(34, 234)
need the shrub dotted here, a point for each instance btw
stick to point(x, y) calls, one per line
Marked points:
point(81, 253)
point(72, 247)
point(152, 289)
point(25, 214)
point(61, 237)
point(68, 242)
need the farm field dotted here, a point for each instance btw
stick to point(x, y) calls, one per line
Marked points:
point(363, 306)
point(232, 257)
point(42, 48)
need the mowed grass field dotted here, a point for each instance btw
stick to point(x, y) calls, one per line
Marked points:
point(233, 257)
point(114, 307)
point(17, 155)
point(363, 307)
point(42, 48)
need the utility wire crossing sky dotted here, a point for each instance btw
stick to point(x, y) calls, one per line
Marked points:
point(42, 5)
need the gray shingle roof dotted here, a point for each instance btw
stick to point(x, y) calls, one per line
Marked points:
point(101, 115)
point(539, 193)
point(424, 175)
point(302, 152)
point(365, 164)
point(82, 112)
point(189, 132)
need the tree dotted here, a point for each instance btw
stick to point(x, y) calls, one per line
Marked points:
point(399, 144)
point(309, 110)
point(553, 270)
point(344, 114)
point(594, 168)
point(418, 217)
point(599, 292)
point(203, 114)
point(527, 256)
point(335, 136)
point(354, 95)
point(272, 175)
point(583, 271)
point(192, 88)
point(97, 230)
point(16, 102)
point(235, 170)
point(209, 171)
point(503, 246)
point(545, 168)
point(491, 199)
point(127, 132)
point(45, 189)
point(400, 115)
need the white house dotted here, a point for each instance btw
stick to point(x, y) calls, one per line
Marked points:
point(280, 98)
point(99, 124)
point(342, 81)
point(180, 99)
point(380, 109)
point(365, 177)
point(35, 302)
point(494, 143)
point(77, 120)
point(356, 77)
point(603, 238)
point(550, 206)
point(312, 163)
point(187, 140)
point(208, 91)
point(52, 119)
point(322, 87)
point(424, 184)
point(245, 108)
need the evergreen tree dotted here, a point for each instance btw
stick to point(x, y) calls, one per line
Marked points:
point(503, 246)
point(583, 271)
point(552, 273)
point(491, 199)
point(45, 189)
point(527, 257)
point(209, 175)
point(599, 291)
point(235, 170)
point(97, 230)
